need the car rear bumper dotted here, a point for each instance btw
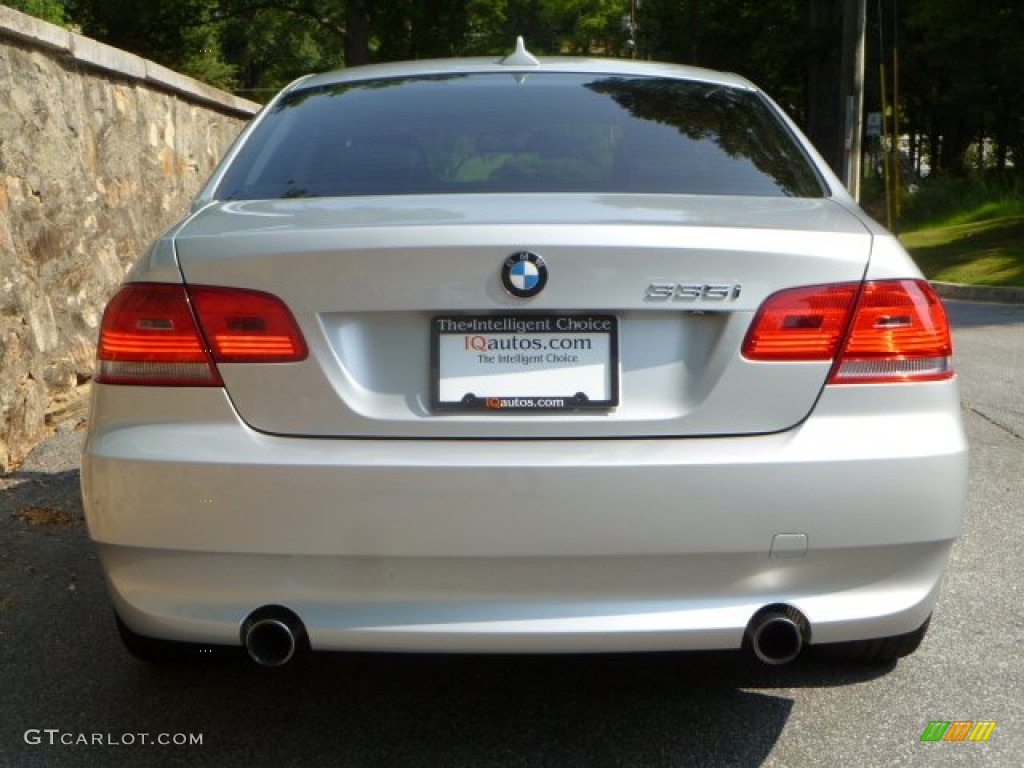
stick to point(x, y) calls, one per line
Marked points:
point(547, 545)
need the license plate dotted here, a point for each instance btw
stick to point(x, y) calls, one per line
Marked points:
point(524, 362)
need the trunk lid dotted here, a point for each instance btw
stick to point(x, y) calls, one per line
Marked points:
point(368, 277)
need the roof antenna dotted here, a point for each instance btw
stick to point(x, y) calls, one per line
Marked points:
point(520, 57)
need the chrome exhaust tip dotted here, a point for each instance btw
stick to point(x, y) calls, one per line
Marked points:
point(778, 633)
point(273, 635)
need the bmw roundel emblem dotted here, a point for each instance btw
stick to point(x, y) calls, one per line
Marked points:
point(524, 274)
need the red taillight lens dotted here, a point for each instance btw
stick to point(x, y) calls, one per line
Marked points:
point(900, 333)
point(247, 326)
point(889, 330)
point(151, 336)
point(801, 323)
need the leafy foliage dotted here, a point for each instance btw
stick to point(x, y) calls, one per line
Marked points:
point(961, 61)
point(965, 79)
point(47, 10)
point(181, 34)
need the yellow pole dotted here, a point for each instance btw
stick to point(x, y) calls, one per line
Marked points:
point(897, 182)
point(886, 155)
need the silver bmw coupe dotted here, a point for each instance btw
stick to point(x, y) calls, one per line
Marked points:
point(521, 355)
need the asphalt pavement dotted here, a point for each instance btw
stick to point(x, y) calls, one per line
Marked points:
point(70, 696)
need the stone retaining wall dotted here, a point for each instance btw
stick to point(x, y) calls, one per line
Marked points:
point(99, 151)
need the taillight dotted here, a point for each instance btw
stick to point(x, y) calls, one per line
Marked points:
point(801, 323)
point(900, 333)
point(149, 336)
point(244, 326)
point(172, 335)
point(883, 331)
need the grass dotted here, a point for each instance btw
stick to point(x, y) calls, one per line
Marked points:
point(968, 230)
point(978, 252)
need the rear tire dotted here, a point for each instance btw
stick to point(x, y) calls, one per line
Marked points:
point(881, 649)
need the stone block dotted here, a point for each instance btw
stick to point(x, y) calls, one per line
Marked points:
point(33, 31)
point(108, 58)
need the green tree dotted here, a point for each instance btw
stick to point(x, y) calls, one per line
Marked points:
point(766, 41)
point(270, 48)
point(47, 10)
point(414, 29)
point(963, 79)
point(586, 27)
point(181, 34)
point(962, 60)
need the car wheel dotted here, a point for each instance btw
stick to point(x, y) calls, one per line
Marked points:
point(880, 649)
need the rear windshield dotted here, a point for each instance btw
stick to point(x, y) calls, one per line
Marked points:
point(502, 132)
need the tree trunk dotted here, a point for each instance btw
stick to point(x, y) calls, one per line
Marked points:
point(824, 108)
point(357, 33)
point(956, 138)
point(693, 32)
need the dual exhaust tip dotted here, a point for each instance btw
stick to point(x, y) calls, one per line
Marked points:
point(273, 635)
